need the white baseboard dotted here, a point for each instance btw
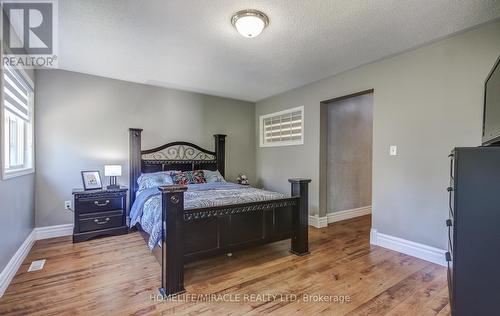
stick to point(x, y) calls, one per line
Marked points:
point(347, 214)
point(318, 222)
point(38, 233)
point(53, 231)
point(373, 236)
point(15, 262)
point(421, 251)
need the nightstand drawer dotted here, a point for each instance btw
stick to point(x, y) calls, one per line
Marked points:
point(102, 221)
point(101, 204)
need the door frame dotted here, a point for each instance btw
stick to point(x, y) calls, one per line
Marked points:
point(323, 131)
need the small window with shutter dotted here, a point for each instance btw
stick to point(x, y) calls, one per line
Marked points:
point(283, 128)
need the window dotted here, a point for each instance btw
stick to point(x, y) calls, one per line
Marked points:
point(17, 127)
point(283, 128)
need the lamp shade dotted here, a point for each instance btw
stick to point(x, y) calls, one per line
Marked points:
point(112, 170)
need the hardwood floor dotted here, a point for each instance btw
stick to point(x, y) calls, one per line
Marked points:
point(118, 276)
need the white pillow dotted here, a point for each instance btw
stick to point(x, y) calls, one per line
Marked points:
point(213, 176)
point(153, 180)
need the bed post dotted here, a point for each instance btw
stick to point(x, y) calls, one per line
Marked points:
point(220, 152)
point(134, 161)
point(300, 238)
point(172, 263)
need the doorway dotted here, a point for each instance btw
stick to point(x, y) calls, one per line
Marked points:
point(346, 156)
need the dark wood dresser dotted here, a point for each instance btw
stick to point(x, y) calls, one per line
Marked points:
point(99, 213)
point(474, 231)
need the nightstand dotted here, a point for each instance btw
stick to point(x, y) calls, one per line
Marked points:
point(99, 213)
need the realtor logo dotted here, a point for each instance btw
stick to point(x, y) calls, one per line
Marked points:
point(29, 33)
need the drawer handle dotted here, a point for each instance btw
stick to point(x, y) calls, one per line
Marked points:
point(101, 204)
point(101, 223)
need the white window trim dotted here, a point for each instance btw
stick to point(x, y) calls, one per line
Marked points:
point(17, 172)
point(281, 143)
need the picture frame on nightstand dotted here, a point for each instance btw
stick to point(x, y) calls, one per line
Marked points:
point(91, 180)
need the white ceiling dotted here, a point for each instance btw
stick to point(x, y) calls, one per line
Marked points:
point(191, 44)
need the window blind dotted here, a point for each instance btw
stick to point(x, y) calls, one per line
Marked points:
point(16, 94)
point(282, 128)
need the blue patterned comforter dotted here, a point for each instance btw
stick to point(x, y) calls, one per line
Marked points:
point(147, 206)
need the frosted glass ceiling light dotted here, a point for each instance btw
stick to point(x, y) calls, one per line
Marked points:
point(250, 23)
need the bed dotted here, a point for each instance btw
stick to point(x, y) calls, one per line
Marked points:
point(183, 223)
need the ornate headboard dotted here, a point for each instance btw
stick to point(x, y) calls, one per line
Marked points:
point(172, 156)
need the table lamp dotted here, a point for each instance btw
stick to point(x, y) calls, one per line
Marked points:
point(112, 171)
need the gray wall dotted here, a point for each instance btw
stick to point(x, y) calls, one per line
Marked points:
point(17, 210)
point(426, 101)
point(17, 207)
point(83, 121)
point(349, 153)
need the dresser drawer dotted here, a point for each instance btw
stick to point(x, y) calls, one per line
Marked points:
point(449, 225)
point(100, 221)
point(99, 204)
point(450, 282)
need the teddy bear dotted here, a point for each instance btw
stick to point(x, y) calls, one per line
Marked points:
point(242, 179)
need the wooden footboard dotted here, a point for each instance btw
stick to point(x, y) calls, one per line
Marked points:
point(193, 234)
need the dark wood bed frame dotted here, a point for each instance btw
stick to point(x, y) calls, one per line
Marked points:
point(198, 233)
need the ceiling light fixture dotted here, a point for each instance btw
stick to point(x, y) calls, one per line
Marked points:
point(249, 23)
